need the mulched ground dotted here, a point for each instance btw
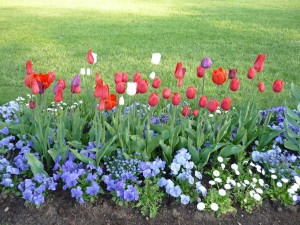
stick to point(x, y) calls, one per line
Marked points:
point(60, 208)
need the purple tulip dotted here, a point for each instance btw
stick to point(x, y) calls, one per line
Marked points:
point(76, 81)
point(206, 63)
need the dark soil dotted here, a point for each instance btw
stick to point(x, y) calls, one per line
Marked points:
point(60, 208)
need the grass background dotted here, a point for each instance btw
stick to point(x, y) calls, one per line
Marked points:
point(56, 36)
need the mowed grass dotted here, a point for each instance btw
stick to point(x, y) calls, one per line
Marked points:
point(56, 36)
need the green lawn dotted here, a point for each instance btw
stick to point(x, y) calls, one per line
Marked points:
point(56, 35)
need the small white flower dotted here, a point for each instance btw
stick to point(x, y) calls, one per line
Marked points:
point(295, 187)
point(211, 182)
point(273, 176)
point(233, 183)
point(294, 197)
point(252, 164)
point(246, 182)
point(131, 88)
point(155, 58)
point(257, 197)
point(218, 111)
point(245, 162)
point(291, 191)
point(234, 166)
point(261, 182)
point(198, 175)
point(222, 192)
point(88, 71)
point(223, 166)
point(259, 190)
point(256, 142)
point(250, 172)
point(220, 159)
point(284, 180)
point(238, 184)
point(254, 180)
point(152, 75)
point(216, 173)
point(80, 101)
point(228, 186)
point(211, 115)
point(297, 179)
point(218, 180)
point(237, 172)
point(200, 206)
point(82, 71)
point(272, 170)
point(228, 180)
point(279, 184)
point(214, 206)
point(121, 101)
point(258, 167)
point(251, 193)
point(263, 172)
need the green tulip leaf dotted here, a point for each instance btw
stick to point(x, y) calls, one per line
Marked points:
point(36, 165)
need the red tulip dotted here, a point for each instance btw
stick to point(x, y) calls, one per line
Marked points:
point(219, 76)
point(142, 86)
point(195, 112)
point(261, 86)
point(32, 104)
point(90, 57)
point(186, 111)
point(137, 77)
point(203, 101)
point(118, 77)
point(62, 82)
point(278, 85)
point(226, 102)
point(58, 91)
point(37, 82)
point(200, 71)
point(29, 69)
point(107, 104)
point(35, 87)
point(166, 93)
point(251, 73)
point(176, 99)
point(153, 99)
point(120, 87)
point(124, 77)
point(234, 84)
point(156, 82)
point(232, 73)
point(101, 91)
point(212, 105)
point(259, 62)
point(52, 76)
point(179, 71)
point(190, 92)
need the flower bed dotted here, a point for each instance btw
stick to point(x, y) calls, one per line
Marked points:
point(196, 152)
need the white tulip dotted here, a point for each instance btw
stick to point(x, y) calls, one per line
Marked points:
point(121, 100)
point(155, 58)
point(95, 57)
point(152, 75)
point(82, 71)
point(88, 71)
point(131, 88)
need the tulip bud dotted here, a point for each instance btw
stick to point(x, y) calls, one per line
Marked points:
point(35, 87)
point(155, 58)
point(232, 73)
point(190, 92)
point(124, 77)
point(131, 88)
point(251, 73)
point(261, 86)
point(152, 75)
point(176, 99)
point(206, 63)
point(90, 57)
point(52, 76)
point(121, 101)
point(156, 82)
point(278, 86)
point(195, 112)
point(29, 69)
point(32, 104)
point(62, 82)
point(259, 62)
point(120, 87)
point(166, 93)
point(203, 102)
point(186, 111)
point(234, 84)
point(153, 99)
point(200, 71)
point(225, 105)
point(137, 77)
point(212, 105)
